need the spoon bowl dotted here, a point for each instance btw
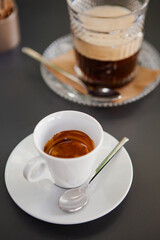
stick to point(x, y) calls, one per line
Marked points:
point(74, 199)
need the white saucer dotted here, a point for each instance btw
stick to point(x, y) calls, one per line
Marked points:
point(40, 199)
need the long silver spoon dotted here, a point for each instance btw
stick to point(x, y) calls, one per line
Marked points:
point(76, 198)
point(101, 92)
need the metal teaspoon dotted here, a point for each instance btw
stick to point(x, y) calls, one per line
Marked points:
point(101, 92)
point(76, 198)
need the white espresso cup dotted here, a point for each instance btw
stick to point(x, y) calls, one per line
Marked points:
point(64, 172)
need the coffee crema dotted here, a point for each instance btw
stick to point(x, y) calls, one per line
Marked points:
point(69, 144)
point(107, 48)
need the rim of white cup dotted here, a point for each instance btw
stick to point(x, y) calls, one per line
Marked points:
point(75, 158)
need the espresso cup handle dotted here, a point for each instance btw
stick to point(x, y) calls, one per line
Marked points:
point(36, 169)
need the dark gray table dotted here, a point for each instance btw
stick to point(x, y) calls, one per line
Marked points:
point(25, 99)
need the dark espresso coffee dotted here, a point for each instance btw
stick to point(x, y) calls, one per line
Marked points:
point(106, 52)
point(110, 74)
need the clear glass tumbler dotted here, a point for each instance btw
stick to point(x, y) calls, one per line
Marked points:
point(107, 37)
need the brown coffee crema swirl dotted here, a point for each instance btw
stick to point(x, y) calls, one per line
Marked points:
point(69, 144)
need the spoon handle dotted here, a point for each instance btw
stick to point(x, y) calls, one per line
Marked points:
point(72, 80)
point(109, 157)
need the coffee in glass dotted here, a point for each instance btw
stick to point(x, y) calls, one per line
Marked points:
point(107, 37)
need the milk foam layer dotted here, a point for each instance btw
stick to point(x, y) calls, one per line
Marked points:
point(110, 34)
